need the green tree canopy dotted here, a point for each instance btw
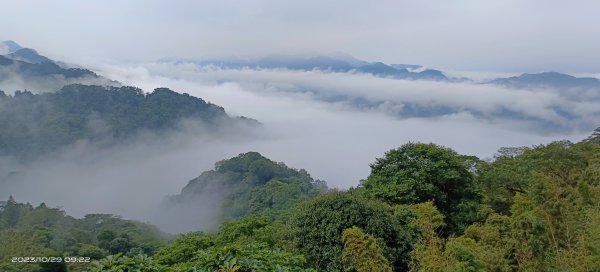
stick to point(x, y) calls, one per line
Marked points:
point(552, 224)
point(417, 172)
point(361, 252)
point(33, 124)
point(253, 185)
point(241, 245)
point(318, 225)
point(595, 137)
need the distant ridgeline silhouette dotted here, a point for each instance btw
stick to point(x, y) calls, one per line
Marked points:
point(344, 63)
point(341, 63)
point(29, 62)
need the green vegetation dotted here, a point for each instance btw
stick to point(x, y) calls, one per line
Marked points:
point(552, 223)
point(361, 252)
point(416, 173)
point(317, 228)
point(41, 231)
point(32, 124)
point(423, 208)
point(241, 246)
point(254, 185)
point(595, 137)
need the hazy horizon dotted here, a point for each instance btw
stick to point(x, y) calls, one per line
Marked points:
point(507, 36)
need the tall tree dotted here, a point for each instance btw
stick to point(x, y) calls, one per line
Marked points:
point(417, 172)
point(318, 225)
point(361, 252)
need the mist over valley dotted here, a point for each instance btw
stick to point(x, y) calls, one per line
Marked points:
point(299, 136)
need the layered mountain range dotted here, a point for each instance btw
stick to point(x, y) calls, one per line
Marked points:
point(67, 105)
point(29, 64)
point(343, 63)
point(25, 69)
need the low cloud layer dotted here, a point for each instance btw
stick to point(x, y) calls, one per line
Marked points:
point(131, 179)
point(560, 111)
point(309, 120)
point(336, 140)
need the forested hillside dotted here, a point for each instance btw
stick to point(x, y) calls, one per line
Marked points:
point(424, 207)
point(27, 231)
point(33, 124)
point(299, 136)
point(252, 184)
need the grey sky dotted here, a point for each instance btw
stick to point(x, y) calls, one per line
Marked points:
point(508, 35)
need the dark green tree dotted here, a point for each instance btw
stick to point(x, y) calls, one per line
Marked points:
point(417, 172)
point(552, 224)
point(318, 225)
point(595, 137)
point(256, 186)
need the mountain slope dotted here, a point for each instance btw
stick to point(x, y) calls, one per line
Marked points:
point(44, 231)
point(25, 69)
point(28, 55)
point(547, 79)
point(381, 69)
point(7, 47)
point(33, 124)
point(252, 184)
point(43, 76)
point(39, 69)
point(337, 62)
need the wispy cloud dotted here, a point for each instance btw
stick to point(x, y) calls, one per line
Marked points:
point(336, 139)
point(310, 120)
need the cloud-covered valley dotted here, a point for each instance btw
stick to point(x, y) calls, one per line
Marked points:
point(331, 124)
point(546, 110)
point(335, 124)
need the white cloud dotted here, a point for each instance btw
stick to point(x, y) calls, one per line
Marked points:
point(333, 141)
point(544, 105)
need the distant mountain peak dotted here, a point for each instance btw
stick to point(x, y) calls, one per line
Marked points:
point(548, 79)
point(7, 47)
point(379, 68)
point(348, 58)
point(28, 55)
point(410, 67)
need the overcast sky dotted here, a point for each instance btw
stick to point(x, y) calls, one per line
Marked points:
point(507, 35)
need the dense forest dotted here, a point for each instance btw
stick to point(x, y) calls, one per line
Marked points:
point(33, 124)
point(424, 207)
point(42, 231)
point(252, 184)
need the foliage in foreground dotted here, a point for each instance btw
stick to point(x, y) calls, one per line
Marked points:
point(317, 228)
point(552, 225)
point(416, 173)
point(542, 203)
point(41, 231)
point(241, 246)
point(361, 252)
